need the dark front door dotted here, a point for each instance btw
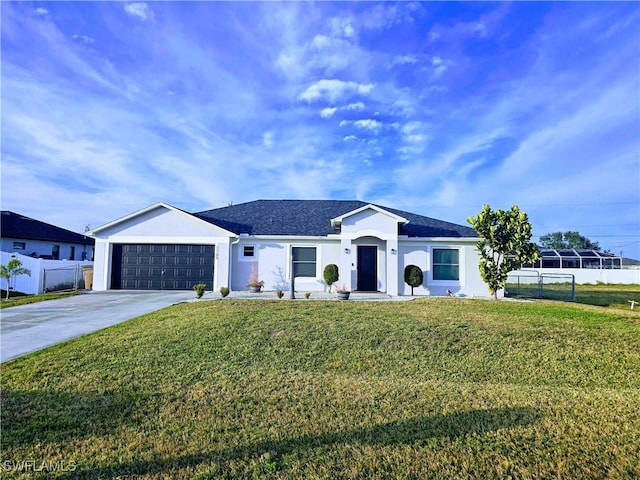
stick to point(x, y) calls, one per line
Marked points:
point(367, 268)
point(161, 267)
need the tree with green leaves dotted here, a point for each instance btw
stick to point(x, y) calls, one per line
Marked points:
point(12, 269)
point(413, 276)
point(561, 240)
point(504, 244)
point(331, 274)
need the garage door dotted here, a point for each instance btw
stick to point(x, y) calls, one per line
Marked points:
point(161, 267)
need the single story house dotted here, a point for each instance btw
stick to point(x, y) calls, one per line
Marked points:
point(33, 238)
point(163, 247)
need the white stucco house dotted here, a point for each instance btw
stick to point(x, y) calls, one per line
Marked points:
point(163, 247)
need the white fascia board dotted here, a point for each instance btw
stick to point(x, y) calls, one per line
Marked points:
point(150, 208)
point(397, 218)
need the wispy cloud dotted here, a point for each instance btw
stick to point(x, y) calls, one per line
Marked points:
point(139, 9)
point(332, 90)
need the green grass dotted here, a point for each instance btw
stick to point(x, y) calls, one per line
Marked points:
point(606, 295)
point(434, 388)
point(603, 295)
point(24, 299)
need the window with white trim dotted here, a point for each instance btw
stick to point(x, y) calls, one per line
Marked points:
point(446, 264)
point(304, 261)
point(19, 245)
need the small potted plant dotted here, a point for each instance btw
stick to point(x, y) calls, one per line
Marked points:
point(343, 293)
point(254, 284)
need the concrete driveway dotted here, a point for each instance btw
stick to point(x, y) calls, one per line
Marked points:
point(32, 327)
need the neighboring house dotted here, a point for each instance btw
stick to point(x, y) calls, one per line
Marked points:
point(163, 247)
point(30, 237)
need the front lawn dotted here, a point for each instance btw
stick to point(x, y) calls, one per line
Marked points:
point(434, 388)
point(17, 298)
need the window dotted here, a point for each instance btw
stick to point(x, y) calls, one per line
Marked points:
point(72, 256)
point(446, 264)
point(55, 252)
point(19, 245)
point(304, 261)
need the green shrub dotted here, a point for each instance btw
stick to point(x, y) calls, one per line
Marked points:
point(199, 288)
point(413, 276)
point(224, 291)
point(279, 293)
point(331, 274)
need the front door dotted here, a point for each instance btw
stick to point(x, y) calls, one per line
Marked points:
point(367, 268)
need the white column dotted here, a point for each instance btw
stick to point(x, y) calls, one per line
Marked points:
point(346, 261)
point(392, 266)
point(222, 264)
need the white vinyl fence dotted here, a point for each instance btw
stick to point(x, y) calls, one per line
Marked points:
point(589, 275)
point(46, 275)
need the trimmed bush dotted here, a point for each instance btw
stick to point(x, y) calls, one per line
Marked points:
point(331, 274)
point(413, 276)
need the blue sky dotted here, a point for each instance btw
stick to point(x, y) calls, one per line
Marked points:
point(434, 108)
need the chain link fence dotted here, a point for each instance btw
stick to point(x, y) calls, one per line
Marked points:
point(65, 278)
point(552, 286)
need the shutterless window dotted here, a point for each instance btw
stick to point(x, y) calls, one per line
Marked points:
point(304, 261)
point(446, 264)
point(19, 245)
point(249, 251)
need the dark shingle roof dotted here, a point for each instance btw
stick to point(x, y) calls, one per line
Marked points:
point(313, 218)
point(14, 225)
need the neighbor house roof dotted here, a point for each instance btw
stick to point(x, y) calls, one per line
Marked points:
point(313, 218)
point(14, 225)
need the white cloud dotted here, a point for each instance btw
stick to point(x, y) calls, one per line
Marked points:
point(350, 137)
point(321, 41)
point(267, 139)
point(333, 90)
point(83, 38)
point(481, 30)
point(364, 124)
point(42, 11)
point(405, 59)
point(439, 65)
point(349, 31)
point(358, 106)
point(328, 112)
point(139, 9)
point(342, 27)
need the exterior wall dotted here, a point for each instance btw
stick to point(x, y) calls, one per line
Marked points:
point(420, 253)
point(273, 260)
point(370, 220)
point(35, 248)
point(34, 284)
point(161, 226)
